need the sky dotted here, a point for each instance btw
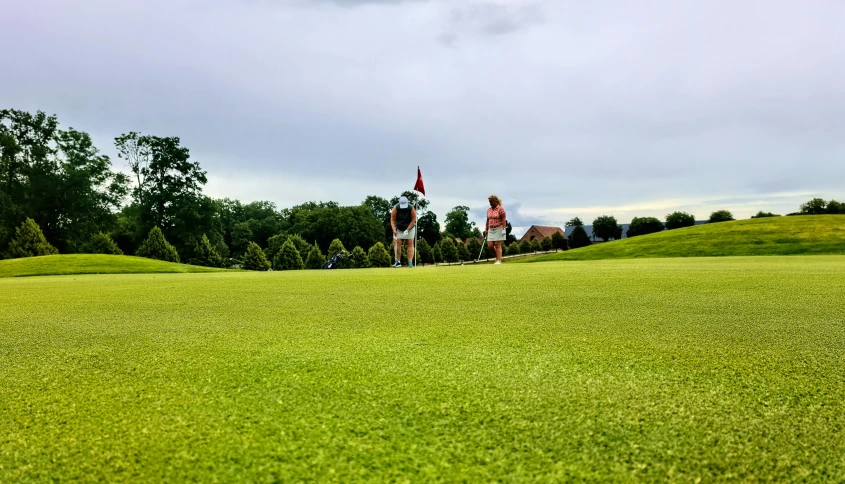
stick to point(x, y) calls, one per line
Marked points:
point(561, 108)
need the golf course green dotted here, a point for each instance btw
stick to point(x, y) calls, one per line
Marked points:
point(682, 369)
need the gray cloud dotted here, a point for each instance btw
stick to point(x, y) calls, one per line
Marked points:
point(562, 108)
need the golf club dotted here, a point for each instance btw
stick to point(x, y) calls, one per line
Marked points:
point(483, 241)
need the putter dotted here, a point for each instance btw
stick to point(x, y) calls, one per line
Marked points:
point(483, 241)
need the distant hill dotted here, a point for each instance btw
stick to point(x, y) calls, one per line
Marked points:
point(806, 234)
point(91, 264)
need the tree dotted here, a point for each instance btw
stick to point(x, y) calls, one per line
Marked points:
point(535, 245)
point(458, 224)
point(288, 258)
point(559, 241)
point(241, 238)
point(157, 247)
point(606, 228)
point(509, 237)
point(644, 226)
point(720, 216)
point(315, 258)
point(29, 241)
point(677, 220)
point(579, 238)
point(463, 253)
point(429, 228)
point(525, 247)
point(378, 255)
point(575, 222)
point(449, 250)
point(437, 253)
point(834, 207)
point(101, 243)
point(815, 206)
point(762, 214)
point(255, 260)
point(474, 247)
point(424, 252)
point(206, 254)
point(327, 221)
point(359, 258)
point(513, 249)
point(546, 243)
point(336, 247)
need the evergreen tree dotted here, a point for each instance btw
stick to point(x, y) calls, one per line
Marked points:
point(336, 247)
point(157, 247)
point(378, 256)
point(359, 258)
point(463, 253)
point(535, 245)
point(546, 243)
point(437, 253)
point(288, 259)
point(524, 247)
point(579, 238)
point(101, 243)
point(315, 258)
point(513, 249)
point(474, 247)
point(449, 250)
point(206, 254)
point(29, 241)
point(424, 253)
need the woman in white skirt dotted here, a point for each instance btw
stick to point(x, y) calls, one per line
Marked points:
point(496, 228)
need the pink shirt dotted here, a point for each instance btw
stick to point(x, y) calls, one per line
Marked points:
point(495, 217)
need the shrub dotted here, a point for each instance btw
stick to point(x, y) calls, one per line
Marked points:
point(288, 258)
point(676, 220)
point(578, 238)
point(336, 247)
point(513, 249)
point(814, 207)
point(535, 245)
point(315, 257)
point(474, 247)
point(101, 243)
point(546, 243)
point(720, 216)
point(378, 256)
point(205, 254)
point(644, 226)
point(157, 247)
point(359, 258)
point(762, 214)
point(29, 241)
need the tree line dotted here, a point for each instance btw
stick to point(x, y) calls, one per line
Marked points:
point(60, 194)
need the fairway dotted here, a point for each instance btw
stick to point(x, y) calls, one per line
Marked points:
point(619, 370)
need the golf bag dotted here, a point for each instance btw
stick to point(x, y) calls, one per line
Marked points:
point(334, 261)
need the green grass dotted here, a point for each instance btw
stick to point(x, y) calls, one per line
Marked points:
point(91, 264)
point(808, 234)
point(608, 371)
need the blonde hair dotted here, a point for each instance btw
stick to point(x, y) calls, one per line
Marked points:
point(496, 199)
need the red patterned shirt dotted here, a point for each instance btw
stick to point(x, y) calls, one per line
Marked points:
point(495, 217)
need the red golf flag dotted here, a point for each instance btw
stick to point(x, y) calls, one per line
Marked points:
point(418, 186)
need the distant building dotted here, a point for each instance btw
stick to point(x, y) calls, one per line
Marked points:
point(540, 232)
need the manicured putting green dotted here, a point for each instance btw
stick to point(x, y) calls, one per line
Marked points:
point(643, 370)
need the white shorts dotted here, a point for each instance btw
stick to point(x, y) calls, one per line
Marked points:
point(497, 234)
point(410, 236)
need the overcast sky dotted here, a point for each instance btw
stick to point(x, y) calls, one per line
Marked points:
point(562, 108)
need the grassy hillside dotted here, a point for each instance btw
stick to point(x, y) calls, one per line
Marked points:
point(669, 370)
point(90, 264)
point(809, 234)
